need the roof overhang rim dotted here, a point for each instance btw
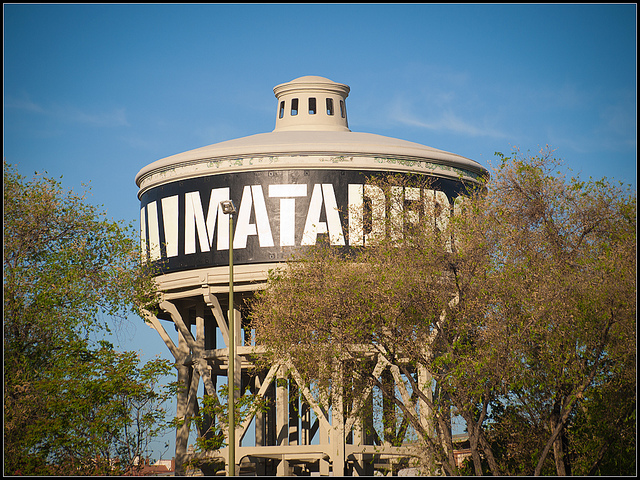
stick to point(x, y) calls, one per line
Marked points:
point(474, 168)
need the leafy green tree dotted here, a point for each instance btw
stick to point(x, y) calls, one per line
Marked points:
point(521, 305)
point(567, 252)
point(72, 404)
point(323, 308)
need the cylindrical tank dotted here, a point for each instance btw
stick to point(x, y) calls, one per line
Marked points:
point(291, 186)
point(304, 181)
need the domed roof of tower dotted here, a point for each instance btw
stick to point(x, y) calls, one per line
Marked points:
point(311, 119)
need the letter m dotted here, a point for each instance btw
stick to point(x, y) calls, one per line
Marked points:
point(194, 221)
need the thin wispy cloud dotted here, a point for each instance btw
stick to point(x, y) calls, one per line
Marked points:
point(443, 121)
point(619, 122)
point(114, 118)
point(25, 104)
point(607, 126)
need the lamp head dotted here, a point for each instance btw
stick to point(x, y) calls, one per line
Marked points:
point(227, 207)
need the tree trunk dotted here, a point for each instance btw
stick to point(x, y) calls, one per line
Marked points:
point(475, 455)
point(558, 455)
point(559, 451)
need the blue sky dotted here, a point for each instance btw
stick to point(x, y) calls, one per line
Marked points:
point(93, 93)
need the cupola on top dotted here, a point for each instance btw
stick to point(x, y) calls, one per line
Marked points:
point(312, 103)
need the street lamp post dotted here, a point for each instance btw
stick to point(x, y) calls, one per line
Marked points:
point(229, 209)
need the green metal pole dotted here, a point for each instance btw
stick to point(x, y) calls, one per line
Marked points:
point(231, 370)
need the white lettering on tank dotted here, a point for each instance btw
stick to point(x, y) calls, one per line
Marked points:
point(336, 235)
point(253, 199)
point(194, 221)
point(458, 205)
point(313, 225)
point(143, 234)
point(357, 234)
point(397, 213)
point(356, 214)
point(399, 196)
point(437, 209)
point(378, 214)
point(216, 214)
point(366, 217)
point(412, 194)
point(287, 194)
point(170, 222)
point(154, 231)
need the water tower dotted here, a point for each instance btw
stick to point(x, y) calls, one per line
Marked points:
point(304, 181)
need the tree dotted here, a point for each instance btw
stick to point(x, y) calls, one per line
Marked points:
point(72, 404)
point(520, 305)
point(331, 312)
point(570, 249)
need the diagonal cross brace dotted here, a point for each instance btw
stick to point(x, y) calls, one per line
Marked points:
point(157, 326)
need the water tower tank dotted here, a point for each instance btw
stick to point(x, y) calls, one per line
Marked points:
point(304, 181)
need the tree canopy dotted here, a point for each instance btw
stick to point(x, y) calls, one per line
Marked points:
point(72, 403)
point(520, 302)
